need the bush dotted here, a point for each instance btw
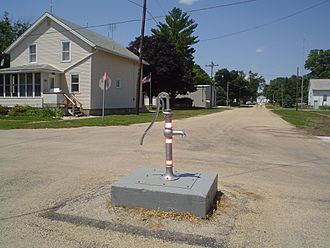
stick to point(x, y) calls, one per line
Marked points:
point(324, 107)
point(19, 110)
point(4, 110)
point(46, 112)
point(183, 102)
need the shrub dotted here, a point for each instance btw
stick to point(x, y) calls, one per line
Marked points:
point(4, 110)
point(50, 112)
point(324, 107)
point(183, 102)
point(19, 110)
point(46, 112)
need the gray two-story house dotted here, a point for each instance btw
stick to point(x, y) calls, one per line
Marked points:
point(58, 63)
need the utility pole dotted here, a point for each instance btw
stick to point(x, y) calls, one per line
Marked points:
point(302, 75)
point(138, 84)
point(212, 65)
point(297, 89)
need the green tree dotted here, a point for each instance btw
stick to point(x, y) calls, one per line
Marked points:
point(282, 91)
point(170, 71)
point(199, 76)
point(179, 29)
point(9, 32)
point(318, 62)
point(256, 83)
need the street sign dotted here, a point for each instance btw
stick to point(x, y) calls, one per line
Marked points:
point(105, 82)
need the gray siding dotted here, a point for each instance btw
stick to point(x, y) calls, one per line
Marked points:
point(12, 101)
point(84, 71)
point(48, 40)
point(118, 68)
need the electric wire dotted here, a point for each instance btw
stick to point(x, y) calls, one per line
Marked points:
point(267, 23)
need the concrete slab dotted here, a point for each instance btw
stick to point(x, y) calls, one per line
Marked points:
point(145, 188)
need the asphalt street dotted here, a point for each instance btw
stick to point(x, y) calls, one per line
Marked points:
point(282, 173)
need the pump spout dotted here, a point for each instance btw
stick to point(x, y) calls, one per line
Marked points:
point(182, 133)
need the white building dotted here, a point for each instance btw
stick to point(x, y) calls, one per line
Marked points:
point(205, 96)
point(56, 62)
point(319, 93)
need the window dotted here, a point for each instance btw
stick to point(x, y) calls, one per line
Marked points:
point(118, 83)
point(14, 84)
point(22, 85)
point(37, 84)
point(74, 82)
point(33, 53)
point(325, 98)
point(29, 88)
point(1, 85)
point(66, 55)
point(7, 84)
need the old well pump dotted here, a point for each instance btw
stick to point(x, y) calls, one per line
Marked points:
point(168, 133)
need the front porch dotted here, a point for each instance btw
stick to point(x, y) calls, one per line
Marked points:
point(36, 86)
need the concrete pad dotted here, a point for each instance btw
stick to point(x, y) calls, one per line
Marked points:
point(145, 188)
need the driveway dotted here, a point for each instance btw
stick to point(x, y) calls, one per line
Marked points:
point(282, 173)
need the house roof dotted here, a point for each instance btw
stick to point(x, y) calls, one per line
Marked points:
point(95, 40)
point(320, 84)
point(30, 68)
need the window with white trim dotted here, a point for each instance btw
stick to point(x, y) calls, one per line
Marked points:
point(33, 53)
point(65, 51)
point(75, 82)
point(118, 83)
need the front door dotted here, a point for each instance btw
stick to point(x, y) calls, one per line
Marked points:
point(52, 83)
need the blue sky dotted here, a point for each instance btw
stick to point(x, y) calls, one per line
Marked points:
point(271, 50)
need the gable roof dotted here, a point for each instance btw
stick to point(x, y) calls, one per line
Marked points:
point(320, 84)
point(93, 39)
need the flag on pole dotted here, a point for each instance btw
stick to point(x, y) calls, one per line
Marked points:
point(146, 79)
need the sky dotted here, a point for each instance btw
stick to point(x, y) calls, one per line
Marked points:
point(270, 37)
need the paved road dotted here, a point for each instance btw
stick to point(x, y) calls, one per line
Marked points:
point(285, 173)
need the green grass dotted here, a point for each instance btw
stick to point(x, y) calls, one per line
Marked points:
point(301, 118)
point(26, 122)
point(315, 122)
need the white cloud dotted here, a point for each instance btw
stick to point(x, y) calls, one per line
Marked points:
point(260, 50)
point(188, 2)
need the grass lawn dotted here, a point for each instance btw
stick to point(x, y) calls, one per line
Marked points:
point(316, 122)
point(21, 122)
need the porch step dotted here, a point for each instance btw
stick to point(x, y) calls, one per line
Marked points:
point(76, 112)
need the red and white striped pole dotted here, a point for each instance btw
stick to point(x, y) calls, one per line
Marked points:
point(168, 133)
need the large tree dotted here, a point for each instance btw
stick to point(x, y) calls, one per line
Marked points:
point(241, 87)
point(318, 62)
point(282, 91)
point(169, 70)
point(9, 32)
point(179, 29)
point(199, 76)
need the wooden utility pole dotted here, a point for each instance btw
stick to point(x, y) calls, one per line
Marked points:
point(297, 88)
point(138, 84)
point(212, 65)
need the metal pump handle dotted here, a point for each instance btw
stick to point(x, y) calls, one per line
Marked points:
point(167, 106)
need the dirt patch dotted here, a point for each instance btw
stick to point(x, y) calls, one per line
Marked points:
point(323, 127)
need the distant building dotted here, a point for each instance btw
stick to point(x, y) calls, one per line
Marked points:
point(319, 93)
point(205, 96)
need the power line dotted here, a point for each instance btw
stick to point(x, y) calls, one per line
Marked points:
point(147, 11)
point(221, 6)
point(139, 20)
point(268, 23)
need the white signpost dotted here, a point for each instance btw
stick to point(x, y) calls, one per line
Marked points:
point(104, 83)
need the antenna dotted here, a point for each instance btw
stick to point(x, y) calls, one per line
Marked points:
point(112, 27)
point(51, 6)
